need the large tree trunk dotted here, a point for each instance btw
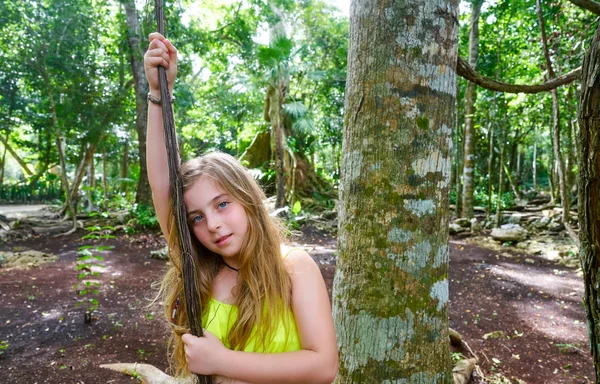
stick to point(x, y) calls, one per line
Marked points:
point(143, 194)
point(589, 192)
point(391, 283)
point(470, 135)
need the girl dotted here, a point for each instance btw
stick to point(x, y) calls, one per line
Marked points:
point(266, 311)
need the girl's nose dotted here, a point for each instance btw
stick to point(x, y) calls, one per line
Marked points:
point(213, 223)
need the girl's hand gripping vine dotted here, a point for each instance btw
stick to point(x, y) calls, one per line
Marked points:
point(160, 52)
point(204, 355)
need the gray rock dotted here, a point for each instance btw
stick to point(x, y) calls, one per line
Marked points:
point(556, 226)
point(509, 232)
point(160, 254)
point(3, 260)
point(515, 218)
point(455, 229)
point(521, 203)
point(477, 226)
point(463, 222)
point(541, 223)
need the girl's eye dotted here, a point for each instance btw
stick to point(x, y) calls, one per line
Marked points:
point(223, 204)
point(197, 218)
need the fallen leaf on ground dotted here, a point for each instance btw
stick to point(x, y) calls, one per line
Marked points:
point(494, 335)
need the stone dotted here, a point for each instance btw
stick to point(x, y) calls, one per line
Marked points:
point(463, 222)
point(515, 218)
point(541, 223)
point(556, 226)
point(455, 229)
point(477, 226)
point(509, 232)
point(520, 204)
point(160, 254)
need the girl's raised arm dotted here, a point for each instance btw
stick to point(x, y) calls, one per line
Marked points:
point(160, 52)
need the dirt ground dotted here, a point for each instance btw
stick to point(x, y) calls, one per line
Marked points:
point(535, 302)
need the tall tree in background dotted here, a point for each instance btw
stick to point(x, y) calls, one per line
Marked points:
point(563, 187)
point(277, 92)
point(391, 287)
point(134, 40)
point(470, 135)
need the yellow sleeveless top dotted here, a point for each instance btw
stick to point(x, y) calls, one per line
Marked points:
point(218, 318)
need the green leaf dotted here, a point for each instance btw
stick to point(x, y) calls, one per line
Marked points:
point(297, 207)
point(295, 109)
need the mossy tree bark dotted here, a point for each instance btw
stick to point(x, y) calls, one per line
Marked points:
point(589, 192)
point(391, 285)
point(470, 135)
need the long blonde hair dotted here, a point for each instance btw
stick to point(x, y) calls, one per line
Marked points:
point(263, 284)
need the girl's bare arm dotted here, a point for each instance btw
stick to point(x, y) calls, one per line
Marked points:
point(160, 52)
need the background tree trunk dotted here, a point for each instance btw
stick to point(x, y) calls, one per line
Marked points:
point(124, 167)
point(143, 194)
point(458, 165)
point(470, 136)
point(391, 287)
point(589, 192)
point(279, 94)
point(490, 162)
point(560, 167)
point(502, 144)
point(534, 162)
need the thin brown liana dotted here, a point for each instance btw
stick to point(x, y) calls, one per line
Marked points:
point(184, 242)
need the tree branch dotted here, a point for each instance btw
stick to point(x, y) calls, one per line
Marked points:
point(464, 70)
point(590, 5)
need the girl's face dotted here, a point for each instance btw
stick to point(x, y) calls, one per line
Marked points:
point(218, 221)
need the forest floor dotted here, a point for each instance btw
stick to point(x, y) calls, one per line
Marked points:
point(535, 303)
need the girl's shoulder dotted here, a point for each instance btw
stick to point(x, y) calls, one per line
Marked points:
point(295, 258)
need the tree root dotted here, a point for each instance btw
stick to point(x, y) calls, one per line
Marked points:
point(463, 370)
point(149, 374)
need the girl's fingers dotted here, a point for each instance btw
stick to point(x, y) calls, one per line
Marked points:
point(170, 46)
point(156, 61)
point(156, 43)
point(155, 35)
point(157, 52)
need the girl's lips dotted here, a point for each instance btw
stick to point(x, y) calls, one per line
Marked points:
point(223, 240)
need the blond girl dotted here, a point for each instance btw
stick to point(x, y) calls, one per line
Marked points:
point(266, 310)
